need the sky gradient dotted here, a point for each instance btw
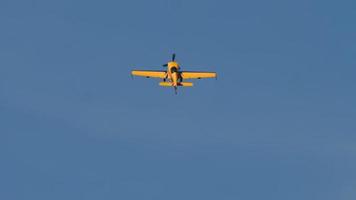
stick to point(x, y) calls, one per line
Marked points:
point(279, 123)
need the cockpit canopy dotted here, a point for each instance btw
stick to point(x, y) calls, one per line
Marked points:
point(173, 69)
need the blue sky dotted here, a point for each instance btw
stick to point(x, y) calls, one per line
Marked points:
point(279, 123)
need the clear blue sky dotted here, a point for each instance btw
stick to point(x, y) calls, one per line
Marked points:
point(279, 123)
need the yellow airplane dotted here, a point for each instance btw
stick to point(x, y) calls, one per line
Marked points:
point(173, 77)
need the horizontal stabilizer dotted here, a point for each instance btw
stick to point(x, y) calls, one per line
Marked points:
point(166, 84)
point(170, 84)
point(185, 84)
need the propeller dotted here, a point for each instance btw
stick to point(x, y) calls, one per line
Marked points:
point(173, 59)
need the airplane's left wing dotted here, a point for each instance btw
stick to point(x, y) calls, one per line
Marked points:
point(149, 73)
point(198, 75)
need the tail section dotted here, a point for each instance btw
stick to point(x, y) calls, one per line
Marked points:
point(180, 84)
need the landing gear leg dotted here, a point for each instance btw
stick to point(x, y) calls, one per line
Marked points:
point(175, 90)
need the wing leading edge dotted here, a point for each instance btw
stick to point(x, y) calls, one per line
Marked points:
point(149, 73)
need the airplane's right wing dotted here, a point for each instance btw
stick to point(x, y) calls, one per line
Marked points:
point(149, 73)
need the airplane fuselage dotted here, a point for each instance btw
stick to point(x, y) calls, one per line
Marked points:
point(173, 73)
